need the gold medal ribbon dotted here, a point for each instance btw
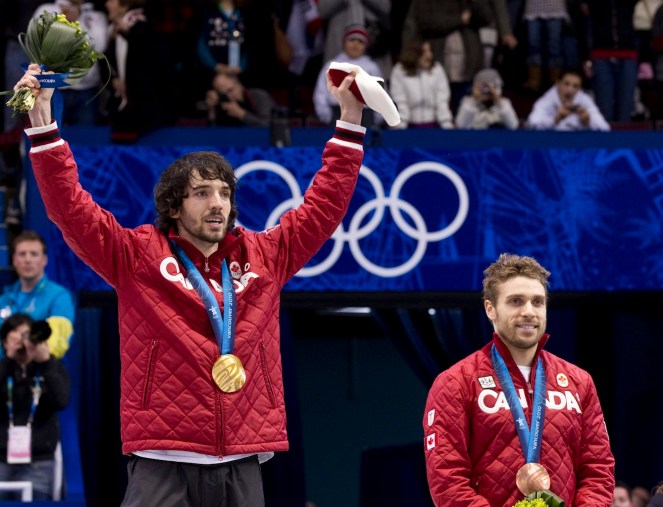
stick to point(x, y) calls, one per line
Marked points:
point(227, 371)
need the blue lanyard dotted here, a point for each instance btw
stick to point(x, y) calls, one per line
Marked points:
point(36, 394)
point(530, 438)
point(224, 328)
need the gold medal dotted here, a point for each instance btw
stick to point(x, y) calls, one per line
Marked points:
point(228, 373)
point(532, 477)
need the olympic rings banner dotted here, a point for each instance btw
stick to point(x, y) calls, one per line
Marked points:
point(426, 220)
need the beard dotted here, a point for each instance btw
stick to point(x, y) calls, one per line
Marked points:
point(198, 231)
point(208, 237)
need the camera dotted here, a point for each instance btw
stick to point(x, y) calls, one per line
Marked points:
point(485, 88)
point(39, 332)
point(223, 97)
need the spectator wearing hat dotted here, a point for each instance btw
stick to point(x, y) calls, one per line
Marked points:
point(486, 108)
point(355, 41)
point(337, 15)
point(566, 107)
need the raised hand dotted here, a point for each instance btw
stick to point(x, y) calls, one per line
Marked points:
point(351, 107)
point(40, 114)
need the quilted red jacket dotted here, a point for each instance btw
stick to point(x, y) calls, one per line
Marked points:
point(167, 347)
point(472, 448)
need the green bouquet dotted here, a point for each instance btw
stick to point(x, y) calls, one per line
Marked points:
point(57, 45)
point(541, 499)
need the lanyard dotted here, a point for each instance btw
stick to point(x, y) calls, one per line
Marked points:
point(224, 327)
point(530, 438)
point(26, 299)
point(36, 394)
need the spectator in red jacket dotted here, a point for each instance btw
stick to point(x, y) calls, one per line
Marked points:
point(202, 398)
point(512, 419)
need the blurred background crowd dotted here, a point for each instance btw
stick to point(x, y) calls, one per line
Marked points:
point(166, 58)
point(448, 64)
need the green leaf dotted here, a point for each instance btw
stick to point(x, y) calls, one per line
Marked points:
point(60, 46)
point(550, 499)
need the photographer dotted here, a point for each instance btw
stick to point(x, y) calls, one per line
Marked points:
point(229, 103)
point(566, 107)
point(486, 108)
point(34, 386)
point(37, 295)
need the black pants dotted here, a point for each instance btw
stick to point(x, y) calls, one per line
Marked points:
point(155, 483)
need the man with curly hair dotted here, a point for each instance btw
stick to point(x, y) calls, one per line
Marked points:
point(202, 398)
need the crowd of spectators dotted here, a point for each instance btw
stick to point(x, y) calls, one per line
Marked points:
point(481, 64)
point(283, 46)
point(638, 496)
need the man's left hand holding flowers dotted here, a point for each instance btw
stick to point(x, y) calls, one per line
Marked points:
point(59, 48)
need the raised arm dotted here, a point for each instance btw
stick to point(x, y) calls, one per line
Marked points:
point(302, 231)
point(91, 232)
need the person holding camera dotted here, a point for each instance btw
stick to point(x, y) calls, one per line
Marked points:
point(486, 108)
point(565, 106)
point(36, 294)
point(229, 103)
point(34, 386)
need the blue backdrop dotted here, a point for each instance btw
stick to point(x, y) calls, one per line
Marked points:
point(586, 204)
point(426, 219)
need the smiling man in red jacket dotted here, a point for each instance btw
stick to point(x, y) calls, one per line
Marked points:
point(202, 402)
point(511, 418)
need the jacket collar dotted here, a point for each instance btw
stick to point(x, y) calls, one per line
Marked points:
point(196, 256)
point(508, 359)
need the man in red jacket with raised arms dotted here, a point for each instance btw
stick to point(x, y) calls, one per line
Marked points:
point(202, 401)
point(512, 419)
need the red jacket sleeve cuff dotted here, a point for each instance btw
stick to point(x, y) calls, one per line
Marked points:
point(44, 138)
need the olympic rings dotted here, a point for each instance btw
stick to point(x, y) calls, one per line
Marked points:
point(379, 203)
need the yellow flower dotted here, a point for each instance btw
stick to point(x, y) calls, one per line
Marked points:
point(61, 18)
point(538, 502)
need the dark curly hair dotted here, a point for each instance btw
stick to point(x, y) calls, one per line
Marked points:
point(12, 322)
point(173, 184)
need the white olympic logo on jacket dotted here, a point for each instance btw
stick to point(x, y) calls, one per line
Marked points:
point(379, 203)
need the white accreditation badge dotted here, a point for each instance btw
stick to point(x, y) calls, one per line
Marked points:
point(19, 445)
